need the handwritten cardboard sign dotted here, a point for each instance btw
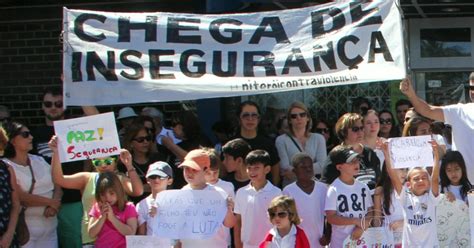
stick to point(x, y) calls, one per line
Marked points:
point(413, 151)
point(189, 214)
point(139, 241)
point(87, 137)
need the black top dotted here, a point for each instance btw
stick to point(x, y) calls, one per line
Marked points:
point(6, 202)
point(230, 177)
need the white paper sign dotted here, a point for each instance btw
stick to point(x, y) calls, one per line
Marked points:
point(87, 137)
point(413, 151)
point(189, 214)
point(139, 241)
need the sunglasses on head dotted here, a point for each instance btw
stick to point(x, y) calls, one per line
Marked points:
point(106, 161)
point(357, 129)
point(153, 177)
point(301, 115)
point(247, 115)
point(280, 215)
point(143, 138)
point(385, 121)
point(49, 104)
point(322, 130)
point(25, 134)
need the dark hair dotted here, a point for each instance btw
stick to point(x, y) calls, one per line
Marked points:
point(215, 161)
point(401, 102)
point(109, 180)
point(454, 157)
point(330, 172)
point(356, 102)
point(412, 125)
point(190, 123)
point(393, 130)
point(131, 131)
point(258, 156)
point(387, 189)
point(12, 129)
point(55, 91)
point(241, 107)
point(237, 148)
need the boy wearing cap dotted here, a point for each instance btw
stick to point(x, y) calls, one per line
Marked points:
point(195, 165)
point(252, 201)
point(348, 201)
point(159, 176)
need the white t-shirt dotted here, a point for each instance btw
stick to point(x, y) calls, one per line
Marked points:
point(252, 205)
point(287, 241)
point(420, 219)
point(456, 190)
point(143, 208)
point(219, 239)
point(310, 208)
point(352, 201)
point(461, 118)
point(396, 209)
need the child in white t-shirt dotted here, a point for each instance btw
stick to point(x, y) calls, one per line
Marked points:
point(310, 197)
point(453, 177)
point(348, 201)
point(159, 176)
point(419, 199)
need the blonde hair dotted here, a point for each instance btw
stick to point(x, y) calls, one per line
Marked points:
point(299, 105)
point(288, 204)
point(3, 139)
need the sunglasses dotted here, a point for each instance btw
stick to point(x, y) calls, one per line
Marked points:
point(280, 215)
point(295, 115)
point(357, 129)
point(249, 115)
point(49, 104)
point(25, 134)
point(106, 161)
point(143, 138)
point(385, 121)
point(322, 130)
point(153, 177)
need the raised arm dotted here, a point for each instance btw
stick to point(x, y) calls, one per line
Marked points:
point(132, 184)
point(432, 112)
point(397, 185)
point(435, 174)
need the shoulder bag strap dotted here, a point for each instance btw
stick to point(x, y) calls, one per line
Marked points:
point(33, 180)
point(294, 142)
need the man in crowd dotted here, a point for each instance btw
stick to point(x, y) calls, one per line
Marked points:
point(459, 116)
point(401, 106)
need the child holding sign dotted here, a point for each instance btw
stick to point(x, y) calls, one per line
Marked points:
point(419, 199)
point(111, 217)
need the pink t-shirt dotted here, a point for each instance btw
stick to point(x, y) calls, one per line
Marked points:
point(109, 236)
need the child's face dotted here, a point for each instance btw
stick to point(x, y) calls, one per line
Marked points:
point(107, 164)
point(349, 169)
point(194, 177)
point(280, 218)
point(230, 163)
point(257, 172)
point(419, 181)
point(304, 170)
point(109, 197)
point(158, 183)
point(212, 176)
point(454, 173)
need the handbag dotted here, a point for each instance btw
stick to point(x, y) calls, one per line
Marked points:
point(22, 232)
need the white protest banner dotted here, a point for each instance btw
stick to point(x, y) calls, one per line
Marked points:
point(117, 58)
point(189, 214)
point(413, 151)
point(87, 137)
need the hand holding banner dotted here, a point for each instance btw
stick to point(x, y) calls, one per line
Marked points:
point(408, 152)
point(87, 137)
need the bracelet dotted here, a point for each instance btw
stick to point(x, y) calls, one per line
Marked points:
point(133, 169)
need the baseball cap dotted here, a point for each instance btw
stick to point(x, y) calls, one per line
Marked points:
point(342, 154)
point(126, 112)
point(197, 159)
point(160, 168)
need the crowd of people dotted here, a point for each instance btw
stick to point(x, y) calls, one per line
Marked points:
point(297, 187)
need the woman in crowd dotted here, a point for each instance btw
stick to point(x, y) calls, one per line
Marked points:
point(248, 116)
point(387, 127)
point(322, 127)
point(86, 181)
point(38, 194)
point(10, 204)
point(371, 131)
point(140, 141)
point(299, 139)
point(419, 125)
point(350, 130)
point(186, 127)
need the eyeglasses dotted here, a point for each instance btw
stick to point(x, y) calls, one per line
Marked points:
point(106, 161)
point(385, 121)
point(322, 130)
point(357, 129)
point(280, 215)
point(25, 134)
point(49, 104)
point(153, 177)
point(143, 138)
point(249, 115)
point(302, 115)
